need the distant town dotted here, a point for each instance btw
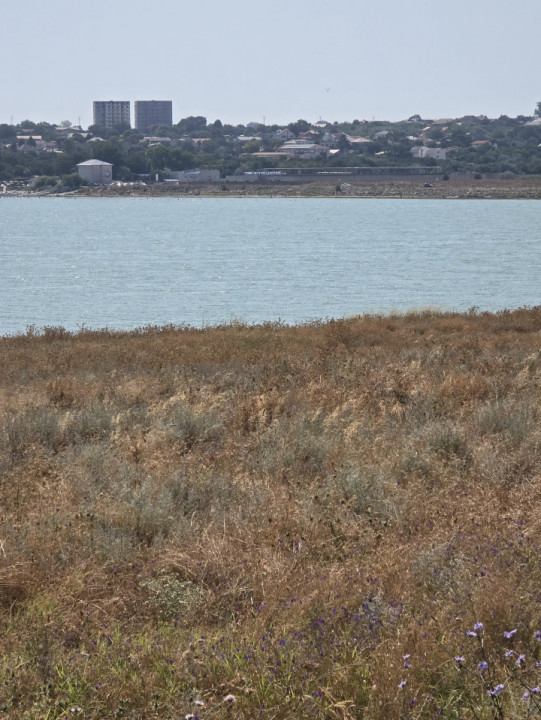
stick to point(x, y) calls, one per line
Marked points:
point(154, 149)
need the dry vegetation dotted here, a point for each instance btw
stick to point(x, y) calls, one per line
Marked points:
point(273, 522)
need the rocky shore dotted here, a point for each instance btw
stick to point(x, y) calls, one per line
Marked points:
point(451, 189)
point(487, 189)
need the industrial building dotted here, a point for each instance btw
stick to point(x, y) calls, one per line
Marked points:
point(109, 113)
point(96, 172)
point(149, 113)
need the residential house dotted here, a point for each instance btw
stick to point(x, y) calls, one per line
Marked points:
point(357, 141)
point(284, 135)
point(421, 151)
point(304, 150)
point(330, 140)
point(247, 138)
point(310, 136)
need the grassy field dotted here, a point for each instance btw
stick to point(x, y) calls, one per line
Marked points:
point(337, 520)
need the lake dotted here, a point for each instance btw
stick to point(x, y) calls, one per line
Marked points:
point(127, 263)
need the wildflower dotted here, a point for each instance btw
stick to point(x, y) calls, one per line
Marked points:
point(471, 633)
point(509, 633)
point(478, 626)
point(525, 696)
point(537, 635)
point(496, 691)
point(482, 666)
point(459, 659)
point(520, 660)
point(401, 685)
point(230, 698)
point(536, 689)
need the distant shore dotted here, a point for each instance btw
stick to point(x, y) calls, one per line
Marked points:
point(491, 189)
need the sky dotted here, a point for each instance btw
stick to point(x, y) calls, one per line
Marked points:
point(273, 62)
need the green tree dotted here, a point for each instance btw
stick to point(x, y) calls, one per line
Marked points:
point(251, 146)
point(157, 157)
point(299, 126)
point(73, 181)
point(110, 151)
point(7, 131)
point(191, 124)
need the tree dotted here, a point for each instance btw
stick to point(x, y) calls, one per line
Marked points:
point(343, 144)
point(7, 131)
point(537, 112)
point(73, 181)
point(299, 126)
point(157, 156)
point(251, 146)
point(191, 124)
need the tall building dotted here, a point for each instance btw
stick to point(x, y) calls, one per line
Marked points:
point(153, 112)
point(109, 113)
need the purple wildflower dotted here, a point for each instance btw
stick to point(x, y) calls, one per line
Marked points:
point(471, 633)
point(520, 659)
point(460, 659)
point(537, 635)
point(509, 633)
point(496, 691)
point(482, 666)
point(478, 626)
point(401, 685)
point(536, 689)
point(509, 653)
point(525, 696)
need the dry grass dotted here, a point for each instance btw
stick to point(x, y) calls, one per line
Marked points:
point(275, 514)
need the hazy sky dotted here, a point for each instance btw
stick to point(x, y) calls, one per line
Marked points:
point(243, 60)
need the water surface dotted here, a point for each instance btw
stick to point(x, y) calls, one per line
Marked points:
point(125, 263)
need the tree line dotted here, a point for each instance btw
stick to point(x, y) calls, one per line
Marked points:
point(473, 144)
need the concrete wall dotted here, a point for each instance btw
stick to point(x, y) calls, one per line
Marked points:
point(100, 174)
point(199, 176)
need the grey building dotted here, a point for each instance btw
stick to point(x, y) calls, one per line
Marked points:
point(152, 112)
point(96, 172)
point(109, 113)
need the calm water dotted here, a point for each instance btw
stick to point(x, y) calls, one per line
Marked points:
point(126, 263)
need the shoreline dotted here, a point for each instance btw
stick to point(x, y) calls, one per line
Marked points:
point(484, 189)
point(59, 332)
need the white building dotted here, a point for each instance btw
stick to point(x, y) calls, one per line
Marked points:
point(96, 172)
point(421, 151)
